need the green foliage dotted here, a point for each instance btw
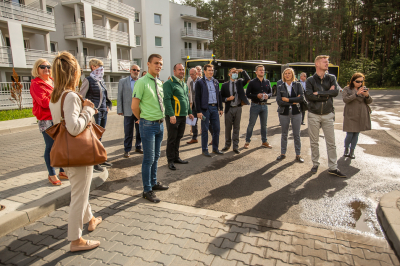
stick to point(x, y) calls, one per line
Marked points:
point(392, 72)
point(15, 114)
point(364, 65)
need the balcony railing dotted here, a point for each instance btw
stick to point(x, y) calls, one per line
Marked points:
point(30, 15)
point(99, 32)
point(7, 104)
point(197, 34)
point(194, 53)
point(33, 55)
point(109, 6)
point(5, 56)
point(125, 65)
point(84, 62)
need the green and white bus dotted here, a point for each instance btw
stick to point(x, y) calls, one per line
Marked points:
point(273, 70)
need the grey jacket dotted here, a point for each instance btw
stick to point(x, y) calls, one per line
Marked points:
point(124, 100)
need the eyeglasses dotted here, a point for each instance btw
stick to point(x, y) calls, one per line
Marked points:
point(135, 70)
point(359, 81)
point(44, 66)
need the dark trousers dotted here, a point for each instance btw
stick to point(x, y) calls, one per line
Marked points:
point(49, 144)
point(303, 114)
point(195, 130)
point(129, 126)
point(175, 133)
point(232, 119)
point(101, 118)
point(212, 116)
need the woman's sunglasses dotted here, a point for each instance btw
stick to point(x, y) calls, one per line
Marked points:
point(44, 66)
point(359, 81)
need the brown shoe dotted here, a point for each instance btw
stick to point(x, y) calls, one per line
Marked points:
point(139, 151)
point(126, 154)
point(62, 175)
point(246, 146)
point(93, 226)
point(209, 144)
point(192, 141)
point(266, 145)
point(90, 244)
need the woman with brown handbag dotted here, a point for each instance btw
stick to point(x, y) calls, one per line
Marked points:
point(66, 72)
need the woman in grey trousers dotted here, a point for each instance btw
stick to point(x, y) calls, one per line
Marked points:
point(289, 95)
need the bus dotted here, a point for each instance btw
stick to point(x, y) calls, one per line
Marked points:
point(273, 70)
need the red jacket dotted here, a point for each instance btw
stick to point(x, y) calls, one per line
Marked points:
point(40, 92)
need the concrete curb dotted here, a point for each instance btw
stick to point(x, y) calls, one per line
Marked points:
point(40, 208)
point(389, 217)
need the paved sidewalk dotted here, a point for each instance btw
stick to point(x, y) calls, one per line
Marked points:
point(135, 232)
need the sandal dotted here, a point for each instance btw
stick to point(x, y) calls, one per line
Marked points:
point(2, 207)
point(62, 175)
point(92, 227)
point(54, 183)
point(90, 244)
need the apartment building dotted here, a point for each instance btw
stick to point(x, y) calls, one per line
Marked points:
point(119, 32)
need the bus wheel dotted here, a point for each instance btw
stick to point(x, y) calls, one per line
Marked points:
point(274, 90)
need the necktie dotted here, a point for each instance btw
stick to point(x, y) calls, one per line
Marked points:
point(160, 100)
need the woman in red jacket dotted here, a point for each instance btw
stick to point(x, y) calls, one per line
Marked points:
point(41, 88)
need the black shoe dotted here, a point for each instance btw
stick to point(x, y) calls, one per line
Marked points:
point(303, 123)
point(218, 152)
point(314, 169)
point(206, 153)
point(151, 196)
point(236, 151)
point(139, 151)
point(299, 159)
point(171, 166)
point(226, 148)
point(346, 152)
point(181, 161)
point(281, 157)
point(106, 164)
point(337, 173)
point(351, 155)
point(158, 186)
point(98, 168)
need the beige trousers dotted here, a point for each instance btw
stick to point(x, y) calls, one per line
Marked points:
point(80, 211)
point(326, 122)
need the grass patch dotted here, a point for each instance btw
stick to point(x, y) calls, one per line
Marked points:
point(15, 114)
point(386, 88)
point(114, 102)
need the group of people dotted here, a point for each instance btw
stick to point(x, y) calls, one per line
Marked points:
point(145, 102)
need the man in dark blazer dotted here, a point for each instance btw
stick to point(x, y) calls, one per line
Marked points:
point(209, 108)
point(233, 95)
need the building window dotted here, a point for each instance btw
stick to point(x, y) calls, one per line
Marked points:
point(187, 25)
point(138, 61)
point(158, 41)
point(53, 47)
point(49, 9)
point(137, 17)
point(26, 44)
point(138, 43)
point(157, 18)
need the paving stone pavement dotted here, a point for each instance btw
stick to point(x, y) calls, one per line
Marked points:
point(135, 232)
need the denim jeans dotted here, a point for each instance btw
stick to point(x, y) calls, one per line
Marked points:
point(49, 144)
point(101, 118)
point(351, 140)
point(129, 126)
point(152, 136)
point(212, 117)
point(255, 111)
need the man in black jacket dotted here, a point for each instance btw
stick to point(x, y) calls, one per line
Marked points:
point(233, 96)
point(321, 88)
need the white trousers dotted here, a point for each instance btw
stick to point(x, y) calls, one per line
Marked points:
point(80, 211)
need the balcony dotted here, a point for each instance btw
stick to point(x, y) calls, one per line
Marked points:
point(193, 53)
point(125, 65)
point(196, 34)
point(75, 30)
point(5, 57)
point(113, 7)
point(28, 16)
point(84, 63)
point(33, 55)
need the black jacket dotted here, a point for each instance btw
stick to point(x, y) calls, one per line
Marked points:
point(282, 91)
point(226, 93)
point(93, 94)
point(322, 103)
point(255, 87)
point(202, 95)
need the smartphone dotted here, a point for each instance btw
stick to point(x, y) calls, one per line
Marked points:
point(366, 89)
point(203, 118)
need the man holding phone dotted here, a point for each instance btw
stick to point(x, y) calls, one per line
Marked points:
point(209, 108)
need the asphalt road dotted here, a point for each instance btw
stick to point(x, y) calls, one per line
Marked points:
point(254, 183)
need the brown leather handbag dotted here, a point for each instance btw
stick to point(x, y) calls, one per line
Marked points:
point(82, 150)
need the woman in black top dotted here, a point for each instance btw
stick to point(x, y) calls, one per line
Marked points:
point(289, 96)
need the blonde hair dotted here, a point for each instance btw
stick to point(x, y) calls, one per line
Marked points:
point(321, 57)
point(291, 70)
point(95, 62)
point(66, 72)
point(35, 69)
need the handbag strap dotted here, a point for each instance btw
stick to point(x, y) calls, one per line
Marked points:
point(63, 99)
